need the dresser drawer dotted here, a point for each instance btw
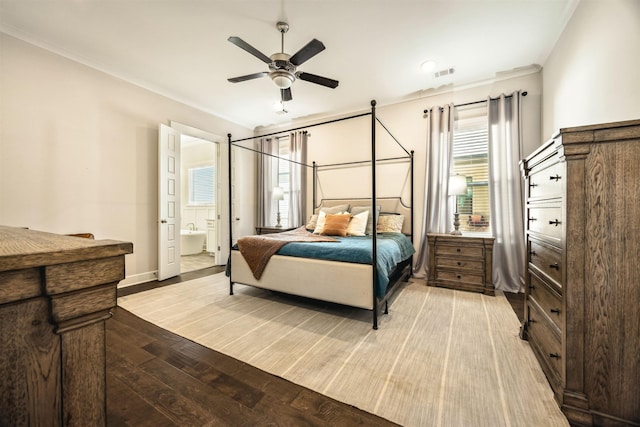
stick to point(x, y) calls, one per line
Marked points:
point(546, 344)
point(460, 263)
point(545, 221)
point(459, 276)
point(546, 181)
point(462, 251)
point(547, 259)
point(548, 300)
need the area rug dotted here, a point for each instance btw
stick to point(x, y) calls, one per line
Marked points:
point(439, 358)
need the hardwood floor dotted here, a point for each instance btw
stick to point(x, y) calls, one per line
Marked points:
point(156, 378)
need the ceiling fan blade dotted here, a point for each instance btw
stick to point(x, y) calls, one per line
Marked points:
point(324, 81)
point(285, 94)
point(252, 50)
point(247, 77)
point(310, 50)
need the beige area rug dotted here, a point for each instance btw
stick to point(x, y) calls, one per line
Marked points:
point(440, 358)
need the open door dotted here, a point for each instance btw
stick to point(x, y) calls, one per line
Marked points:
point(168, 203)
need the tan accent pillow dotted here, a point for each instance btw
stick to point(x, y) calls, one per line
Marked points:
point(390, 224)
point(336, 224)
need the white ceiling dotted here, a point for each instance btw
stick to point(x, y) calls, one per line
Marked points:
point(179, 48)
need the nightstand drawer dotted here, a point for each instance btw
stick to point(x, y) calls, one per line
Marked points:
point(460, 263)
point(459, 276)
point(549, 301)
point(463, 251)
point(546, 259)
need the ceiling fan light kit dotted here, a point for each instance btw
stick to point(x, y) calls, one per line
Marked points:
point(282, 66)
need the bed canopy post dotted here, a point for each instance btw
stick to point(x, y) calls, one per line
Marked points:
point(374, 246)
point(230, 214)
point(315, 184)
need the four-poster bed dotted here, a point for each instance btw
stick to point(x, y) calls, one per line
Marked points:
point(367, 281)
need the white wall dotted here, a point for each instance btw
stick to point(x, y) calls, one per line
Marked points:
point(350, 141)
point(78, 150)
point(592, 76)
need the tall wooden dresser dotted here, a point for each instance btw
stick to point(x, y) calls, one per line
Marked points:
point(582, 310)
point(55, 295)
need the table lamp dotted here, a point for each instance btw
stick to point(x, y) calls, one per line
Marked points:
point(457, 187)
point(277, 195)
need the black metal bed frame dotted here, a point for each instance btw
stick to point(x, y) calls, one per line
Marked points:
point(404, 270)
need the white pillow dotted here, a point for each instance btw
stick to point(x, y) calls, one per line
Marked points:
point(358, 224)
point(322, 218)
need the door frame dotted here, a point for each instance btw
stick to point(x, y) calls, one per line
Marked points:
point(221, 180)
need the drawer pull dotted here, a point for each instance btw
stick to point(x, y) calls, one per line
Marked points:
point(532, 219)
point(531, 185)
point(555, 178)
point(459, 263)
point(532, 287)
point(554, 355)
point(555, 310)
point(532, 253)
point(458, 250)
point(555, 222)
point(555, 266)
point(459, 276)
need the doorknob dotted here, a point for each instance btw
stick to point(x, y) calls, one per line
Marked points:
point(163, 221)
point(237, 219)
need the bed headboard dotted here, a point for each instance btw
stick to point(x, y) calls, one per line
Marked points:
point(392, 205)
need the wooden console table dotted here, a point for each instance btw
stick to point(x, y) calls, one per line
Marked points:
point(55, 295)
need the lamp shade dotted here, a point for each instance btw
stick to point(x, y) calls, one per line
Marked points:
point(457, 185)
point(277, 193)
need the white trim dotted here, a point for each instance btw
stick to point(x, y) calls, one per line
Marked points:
point(136, 279)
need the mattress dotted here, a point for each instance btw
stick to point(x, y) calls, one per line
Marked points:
point(392, 249)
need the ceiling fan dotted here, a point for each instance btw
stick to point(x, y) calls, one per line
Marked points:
point(282, 66)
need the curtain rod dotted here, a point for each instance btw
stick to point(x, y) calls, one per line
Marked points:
point(479, 102)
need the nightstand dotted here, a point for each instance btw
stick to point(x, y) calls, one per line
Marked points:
point(267, 229)
point(461, 262)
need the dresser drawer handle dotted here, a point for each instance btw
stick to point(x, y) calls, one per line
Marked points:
point(555, 266)
point(458, 250)
point(531, 185)
point(459, 263)
point(555, 222)
point(554, 355)
point(532, 219)
point(458, 276)
point(555, 178)
point(555, 311)
point(532, 253)
point(532, 287)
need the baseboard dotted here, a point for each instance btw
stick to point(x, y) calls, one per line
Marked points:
point(136, 279)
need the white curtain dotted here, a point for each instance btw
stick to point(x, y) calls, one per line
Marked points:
point(505, 153)
point(437, 207)
point(267, 179)
point(297, 179)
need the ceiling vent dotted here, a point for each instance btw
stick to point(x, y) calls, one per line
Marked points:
point(445, 72)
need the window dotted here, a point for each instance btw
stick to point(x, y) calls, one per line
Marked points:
point(202, 185)
point(284, 174)
point(470, 158)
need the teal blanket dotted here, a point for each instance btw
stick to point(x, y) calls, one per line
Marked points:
point(392, 249)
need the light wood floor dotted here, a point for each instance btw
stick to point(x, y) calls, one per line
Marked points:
point(441, 357)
